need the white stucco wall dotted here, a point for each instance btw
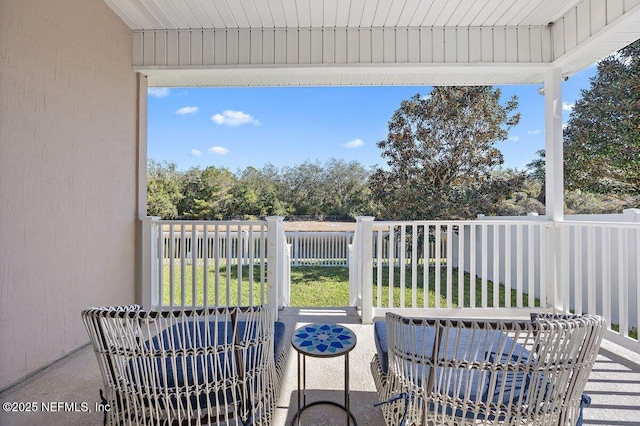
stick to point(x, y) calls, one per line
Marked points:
point(68, 146)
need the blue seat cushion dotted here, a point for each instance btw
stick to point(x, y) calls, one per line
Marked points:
point(198, 370)
point(380, 338)
point(425, 336)
point(517, 382)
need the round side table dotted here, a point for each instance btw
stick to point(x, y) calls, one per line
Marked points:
point(322, 341)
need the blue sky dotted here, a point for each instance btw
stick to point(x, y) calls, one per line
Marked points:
point(240, 127)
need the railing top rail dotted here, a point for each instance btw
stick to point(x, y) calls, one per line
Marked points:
point(323, 233)
point(212, 222)
point(461, 222)
point(596, 224)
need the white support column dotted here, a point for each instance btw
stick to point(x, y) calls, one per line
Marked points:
point(365, 265)
point(554, 153)
point(275, 269)
point(554, 179)
point(142, 243)
point(142, 146)
point(149, 286)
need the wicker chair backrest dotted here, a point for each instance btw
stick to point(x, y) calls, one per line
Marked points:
point(188, 366)
point(509, 372)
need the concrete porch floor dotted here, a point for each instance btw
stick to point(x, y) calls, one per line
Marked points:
point(614, 385)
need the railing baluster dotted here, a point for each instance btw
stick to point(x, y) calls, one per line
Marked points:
point(485, 260)
point(438, 235)
point(390, 250)
point(251, 255)
point(194, 265)
point(402, 256)
point(460, 266)
point(565, 261)
point(228, 266)
point(543, 235)
point(508, 247)
point(606, 275)
point(183, 265)
point(472, 265)
point(263, 257)
point(449, 248)
point(591, 271)
point(239, 266)
point(425, 270)
point(379, 262)
point(414, 266)
point(531, 263)
point(519, 266)
point(162, 250)
point(205, 265)
point(496, 266)
point(216, 266)
point(623, 284)
point(577, 269)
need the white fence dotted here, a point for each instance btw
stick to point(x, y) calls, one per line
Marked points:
point(205, 263)
point(501, 267)
point(491, 267)
point(600, 271)
point(319, 248)
point(425, 265)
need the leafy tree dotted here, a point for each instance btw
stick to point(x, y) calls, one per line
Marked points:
point(579, 202)
point(304, 188)
point(213, 195)
point(163, 189)
point(346, 190)
point(190, 184)
point(522, 202)
point(602, 137)
point(441, 155)
point(258, 193)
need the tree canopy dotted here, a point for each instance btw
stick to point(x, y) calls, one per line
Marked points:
point(336, 188)
point(442, 162)
point(602, 136)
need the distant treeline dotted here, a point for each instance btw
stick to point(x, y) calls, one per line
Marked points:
point(335, 190)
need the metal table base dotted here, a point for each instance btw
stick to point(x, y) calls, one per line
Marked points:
point(302, 397)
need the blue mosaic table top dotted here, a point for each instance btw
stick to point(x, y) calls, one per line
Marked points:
point(323, 340)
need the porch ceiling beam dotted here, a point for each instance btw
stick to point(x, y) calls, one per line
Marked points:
point(341, 75)
point(592, 30)
point(465, 50)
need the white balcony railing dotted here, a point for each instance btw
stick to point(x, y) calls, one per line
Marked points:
point(221, 263)
point(599, 272)
point(319, 248)
point(501, 267)
point(489, 267)
point(421, 266)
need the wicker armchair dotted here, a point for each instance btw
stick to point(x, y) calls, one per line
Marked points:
point(214, 366)
point(485, 372)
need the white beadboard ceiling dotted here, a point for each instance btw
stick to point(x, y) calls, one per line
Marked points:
point(371, 42)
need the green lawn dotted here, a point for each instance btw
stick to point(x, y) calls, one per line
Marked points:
point(325, 286)
point(431, 289)
point(322, 286)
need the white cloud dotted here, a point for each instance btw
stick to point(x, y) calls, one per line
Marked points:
point(514, 138)
point(187, 110)
point(533, 132)
point(234, 118)
point(355, 143)
point(196, 152)
point(218, 150)
point(158, 92)
point(566, 106)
